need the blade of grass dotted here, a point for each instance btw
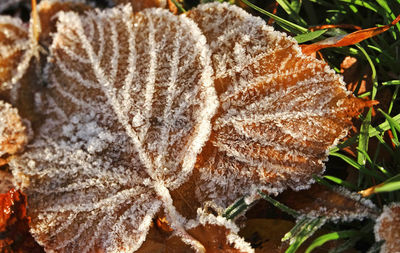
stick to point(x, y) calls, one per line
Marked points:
point(179, 6)
point(235, 209)
point(279, 205)
point(341, 182)
point(391, 121)
point(388, 187)
point(292, 27)
point(393, 82)
point(301, 38)
point(359, 167)
point(307, 230)
point(374, 131)
point(291, 12)
point(330, 237)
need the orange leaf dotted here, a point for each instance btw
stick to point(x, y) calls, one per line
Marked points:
point(347, 40)
point(14, 224)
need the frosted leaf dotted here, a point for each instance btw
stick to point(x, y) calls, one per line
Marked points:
point(387, 228)
point(13, 133)
point(14, 53)
point(48, 10)
point(337, 204)
point(128, 107)
point(138, 5)
point(216, 234)
point(280, 110)
point(5, 181)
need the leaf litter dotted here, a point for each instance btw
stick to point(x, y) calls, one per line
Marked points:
point(133, 98)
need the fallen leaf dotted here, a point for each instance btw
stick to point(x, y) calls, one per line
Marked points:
point(349, 39)
point(335, 204)
point(47, 13)
point(280, 110)
point(387, 228)
point(126, 114)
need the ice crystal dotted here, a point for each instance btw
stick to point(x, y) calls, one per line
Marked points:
point(128, 107)
point(280, 110)
point(387, 228)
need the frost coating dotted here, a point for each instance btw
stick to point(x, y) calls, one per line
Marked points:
point(280, 110)
point(129, 104)
point(14, 50)
point(13, 133)
point(387, 228)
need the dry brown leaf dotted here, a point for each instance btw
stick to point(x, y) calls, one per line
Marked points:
point(280, 110)
point(349, 39)
point(387, 228)
point(335, 204)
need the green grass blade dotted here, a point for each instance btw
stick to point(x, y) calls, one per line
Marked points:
point(391, 121)
point(341, 182)
point(388, 187)
point(291, 12)
point(330, 237)
point(292, 27)
point(179, 6)
point(393, 82)
point(279, 205)
point(307, 230)
point(235, 209)
point(374, 131)
point(348, 160)
point(301, 38)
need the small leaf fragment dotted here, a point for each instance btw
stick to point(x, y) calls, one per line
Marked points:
point(335, 204)
point(13, 133)
point(215, 233)
point(347, 40)
point(387, 228)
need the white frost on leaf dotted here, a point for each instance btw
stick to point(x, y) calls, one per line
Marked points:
point(13, 133)
point(387, 228)
point(211, 226)
point(128, 107)
point(280, 111)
